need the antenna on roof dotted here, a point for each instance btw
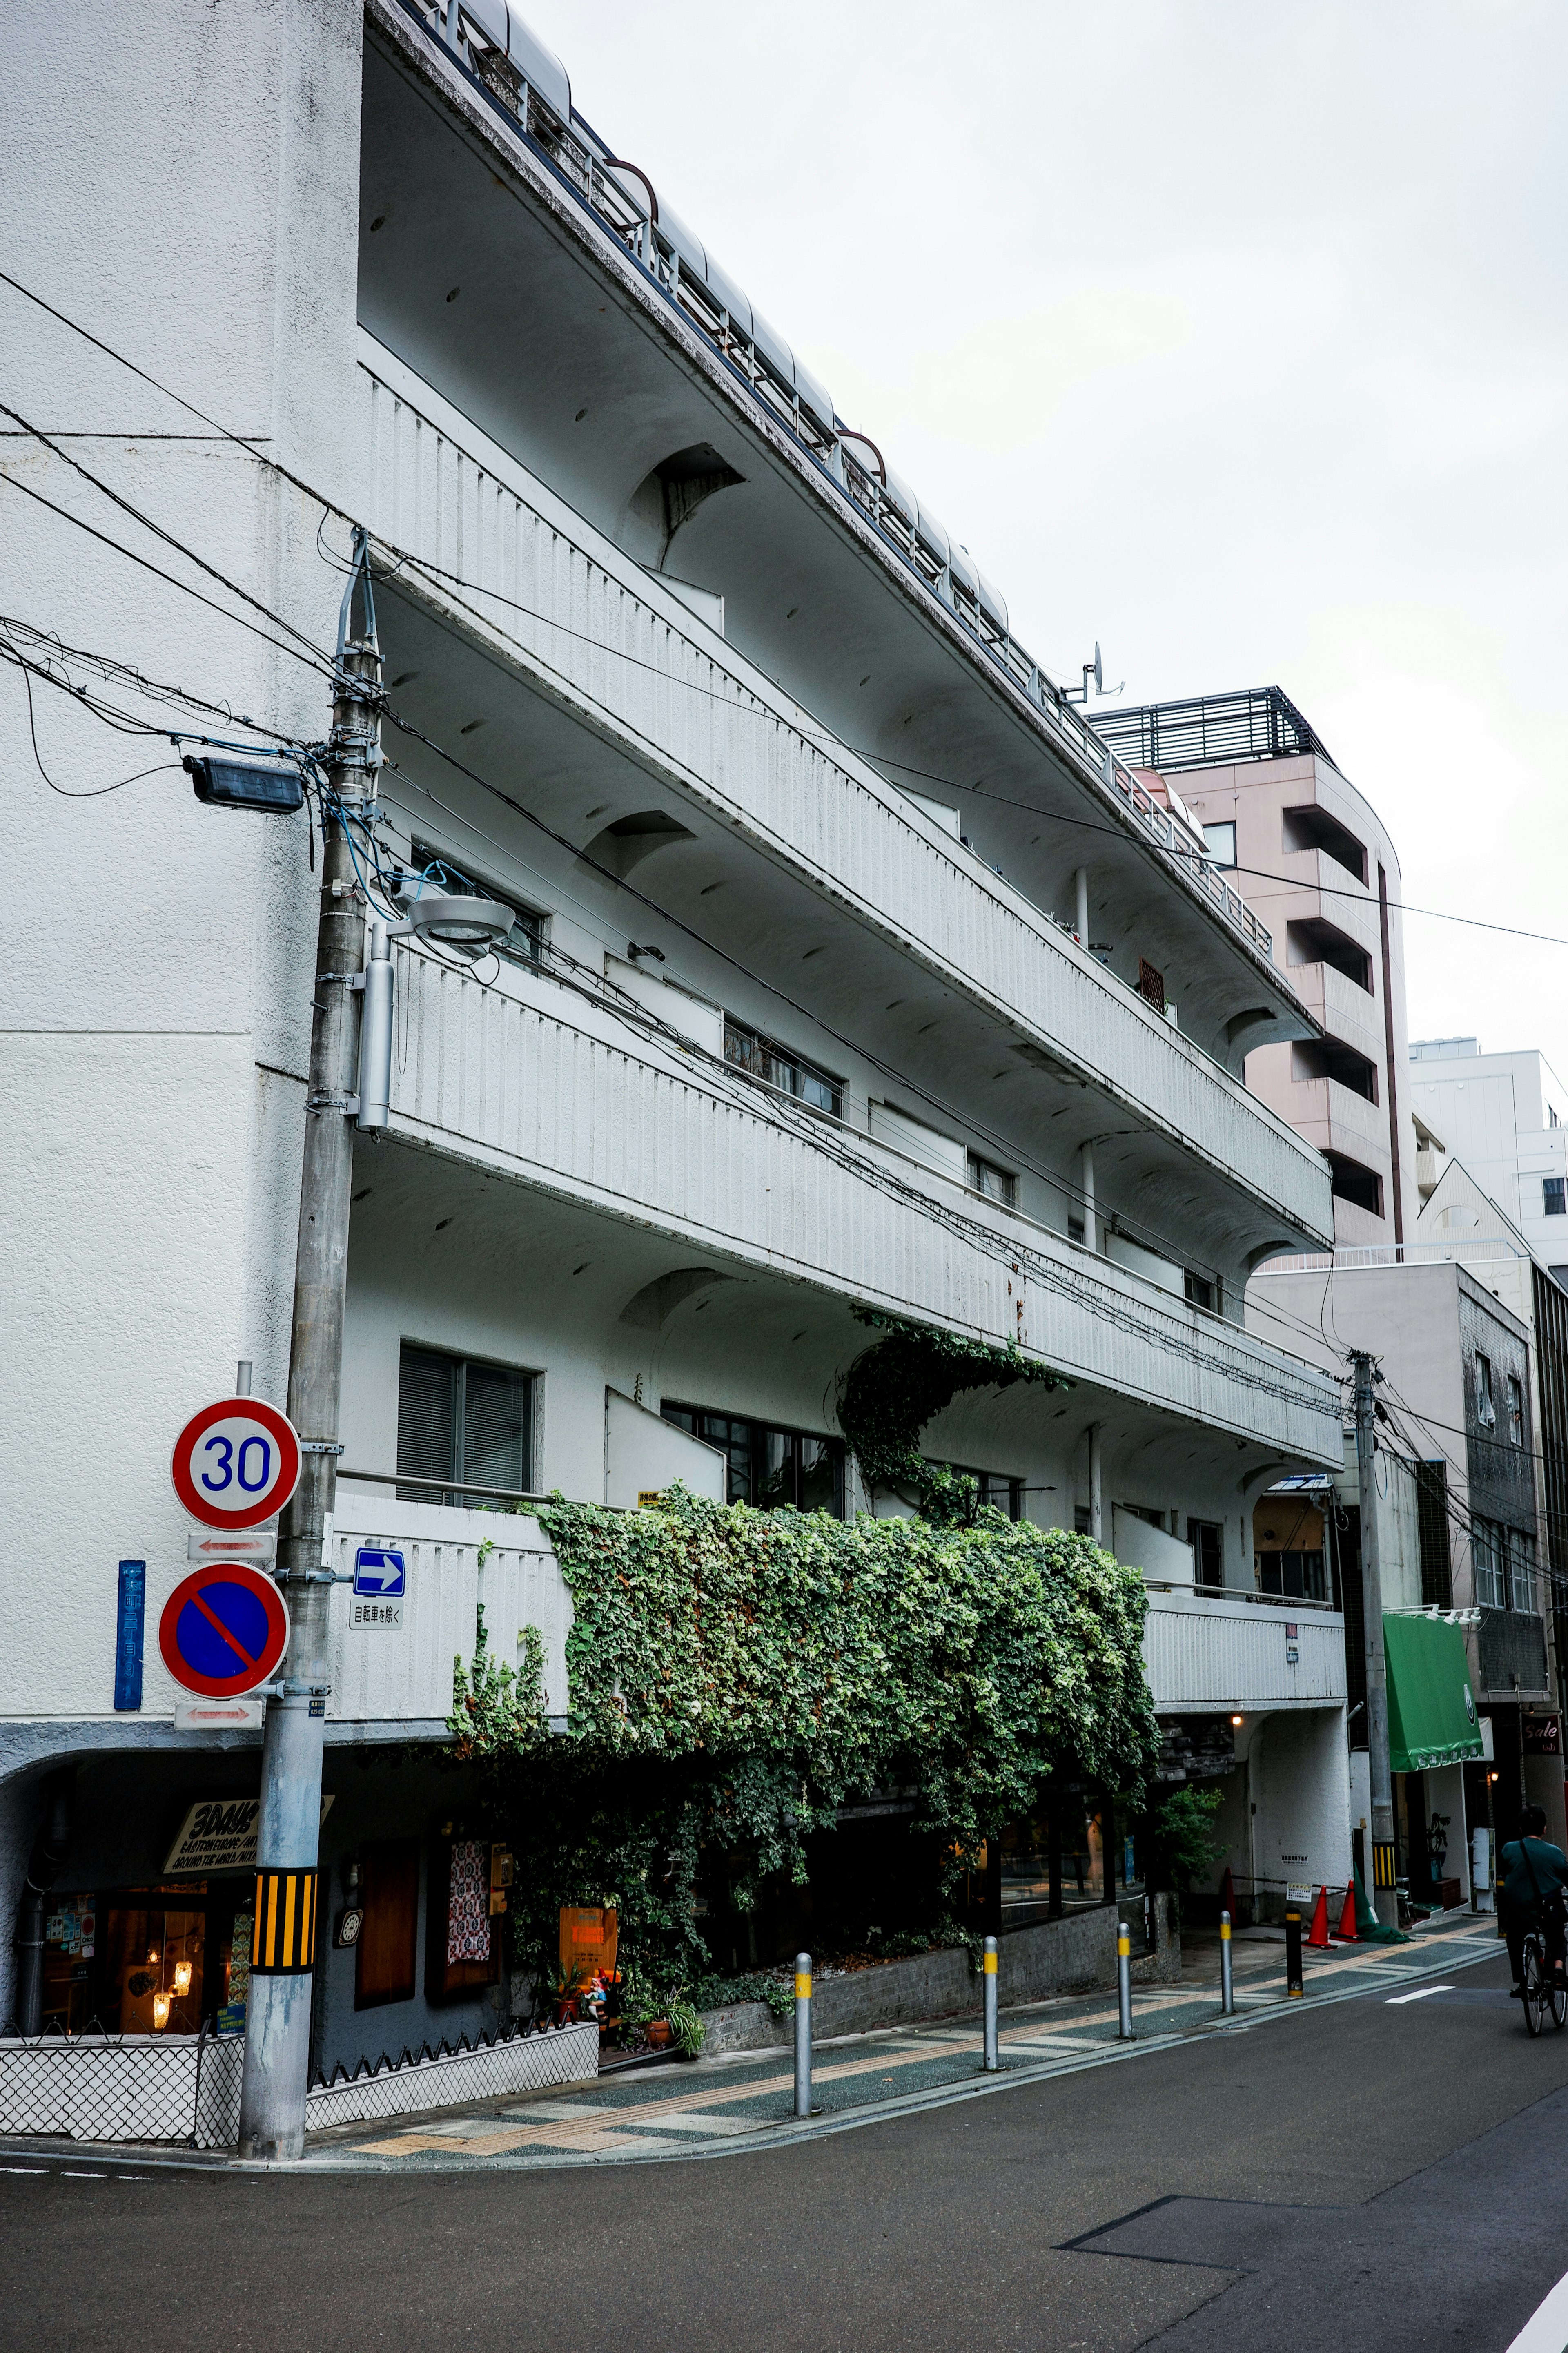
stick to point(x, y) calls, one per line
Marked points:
point(1092, 670)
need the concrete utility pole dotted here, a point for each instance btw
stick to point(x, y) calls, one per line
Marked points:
point(278, 2015)
point(1384, 1894)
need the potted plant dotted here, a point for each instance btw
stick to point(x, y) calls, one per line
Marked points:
point(685, 2028)
point(565, 1986)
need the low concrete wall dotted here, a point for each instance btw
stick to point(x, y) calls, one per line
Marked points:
point(1073, 1955)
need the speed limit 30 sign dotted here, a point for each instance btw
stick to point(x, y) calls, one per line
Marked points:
point(235, 1463)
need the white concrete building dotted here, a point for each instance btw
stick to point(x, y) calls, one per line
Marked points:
point(773, 1036)
point(1502, 1115)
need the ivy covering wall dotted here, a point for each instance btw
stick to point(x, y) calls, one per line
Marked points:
point(736, 1675)
point(893, 1388)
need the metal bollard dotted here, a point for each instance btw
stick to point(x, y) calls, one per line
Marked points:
point(1293, 1986)
point(993, 2060)
point(1227, 1982)
point(1124, 1981)
point(802, 2034)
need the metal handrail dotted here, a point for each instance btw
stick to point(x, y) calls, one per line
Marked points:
point(586, 172)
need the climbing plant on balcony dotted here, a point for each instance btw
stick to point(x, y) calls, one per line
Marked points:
point(894, 1388)
point(736, 1675)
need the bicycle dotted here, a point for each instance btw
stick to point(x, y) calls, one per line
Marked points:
point(1543, 1986)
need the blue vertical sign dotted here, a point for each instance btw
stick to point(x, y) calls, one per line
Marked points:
point(130, 1620)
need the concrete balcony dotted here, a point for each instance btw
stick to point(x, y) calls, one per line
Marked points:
point(572, 618)
point(527, 1080)
point(1216, 1651)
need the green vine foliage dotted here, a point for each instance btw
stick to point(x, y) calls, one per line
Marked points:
point(892, 1390)
point(736, 1675)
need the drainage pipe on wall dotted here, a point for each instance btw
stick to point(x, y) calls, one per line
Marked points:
point(49, 1854)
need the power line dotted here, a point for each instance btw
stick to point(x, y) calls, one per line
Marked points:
point(1441, 915)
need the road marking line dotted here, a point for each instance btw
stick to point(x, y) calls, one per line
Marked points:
point(1422, 1993)
point(1546, 2331)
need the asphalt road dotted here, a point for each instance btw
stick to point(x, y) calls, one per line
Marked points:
point(1390, 2176)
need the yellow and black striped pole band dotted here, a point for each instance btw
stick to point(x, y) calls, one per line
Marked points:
point(283, 1942)
point(1384, 1873)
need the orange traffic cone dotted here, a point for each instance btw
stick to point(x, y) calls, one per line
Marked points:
point(1318, 1932)
point(1346, 1931)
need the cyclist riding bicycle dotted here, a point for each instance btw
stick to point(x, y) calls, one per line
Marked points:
point(1530, 1896)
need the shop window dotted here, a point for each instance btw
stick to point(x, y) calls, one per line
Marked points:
point(1206, 1539)
point(791, 1072)
point(384, 1955)
point(464, 1948)
point(770, 1468)
point(460, 1418)
point(524, 943)
point(152, 1973)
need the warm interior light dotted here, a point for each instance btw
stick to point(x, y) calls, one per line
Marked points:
point(152, 1953)
point(181, 1977)
point(1235, 1719)
point(160, 2013)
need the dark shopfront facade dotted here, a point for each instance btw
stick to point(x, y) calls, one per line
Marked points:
point(148, 1920)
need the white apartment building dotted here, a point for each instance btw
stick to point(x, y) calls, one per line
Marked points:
point(1501, 1116)
point(773, 1039)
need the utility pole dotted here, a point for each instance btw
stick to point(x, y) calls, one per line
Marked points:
point(278, 2014)
point(1385, 1896)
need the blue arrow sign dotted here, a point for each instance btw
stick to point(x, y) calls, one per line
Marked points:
point(380, 1572)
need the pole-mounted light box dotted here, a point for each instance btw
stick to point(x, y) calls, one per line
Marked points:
point(222, 783)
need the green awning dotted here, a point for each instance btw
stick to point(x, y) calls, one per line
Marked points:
point(1431, 1707)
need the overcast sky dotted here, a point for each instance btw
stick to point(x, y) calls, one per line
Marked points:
point(1232, 335)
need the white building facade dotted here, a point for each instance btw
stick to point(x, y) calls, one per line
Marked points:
point(773, 1042)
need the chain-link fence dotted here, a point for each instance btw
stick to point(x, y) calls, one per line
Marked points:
point(186, 2087)
point(140, 2088)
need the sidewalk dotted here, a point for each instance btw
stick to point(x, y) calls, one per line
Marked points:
point(726, 2105)
point(745, 2102)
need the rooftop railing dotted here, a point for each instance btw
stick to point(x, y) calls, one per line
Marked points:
point(679, 266)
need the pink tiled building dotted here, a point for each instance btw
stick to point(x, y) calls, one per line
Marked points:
point(1314, 861)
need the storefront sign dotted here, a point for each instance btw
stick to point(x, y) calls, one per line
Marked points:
point(218, 1835)
point(1543, 1735)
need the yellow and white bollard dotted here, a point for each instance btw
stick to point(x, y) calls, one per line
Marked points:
point(802, 2034)
point(992, 2059)
point(1124, 1981)
point(1227, 1982)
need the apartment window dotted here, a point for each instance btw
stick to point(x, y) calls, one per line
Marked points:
point(1350, 1181)
point(1152, 984)
point(765, 1059)
point(996, 1184)
point(1488, 1552)
point(769, 1468)
point(460, 1418)
point(1520, 1571)
point(1314, 941)
point(1294, 1576)
point(1206, 1539)
point(1553, 1203)
point(1313, 828)
point(1485, 1407)
point(1515, 1411)
point(1198, 1289)
point(1221, 840)
point(525, 940)
point(998, 1491)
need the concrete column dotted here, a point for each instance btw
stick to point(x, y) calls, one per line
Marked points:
point(1080, 904)
point(1095, 1485)
point(1086, 1186)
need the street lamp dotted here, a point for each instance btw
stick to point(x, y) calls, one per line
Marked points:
point(458, 921)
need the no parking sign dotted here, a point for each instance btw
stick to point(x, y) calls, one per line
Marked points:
point(224, 1630)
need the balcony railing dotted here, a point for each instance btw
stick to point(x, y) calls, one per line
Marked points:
point(506, 553)
point(763, 364)
point(1206, 731)
point(530, 1080)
